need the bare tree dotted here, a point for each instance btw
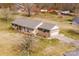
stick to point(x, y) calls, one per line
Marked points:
point(5, 14)
point(5, 11)
point(27, 45)
point(27, 8)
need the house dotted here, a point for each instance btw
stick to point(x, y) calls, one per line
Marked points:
point(36, 27)
point(65, 12)
point(75, 24)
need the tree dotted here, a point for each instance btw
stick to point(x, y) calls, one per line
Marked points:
point(7, 5)
point(5, 11)
point(29, 6)
point(6, 14)
point(27, 45)
point(26, 7)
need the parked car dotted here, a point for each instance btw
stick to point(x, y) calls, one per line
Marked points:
point(65, 12)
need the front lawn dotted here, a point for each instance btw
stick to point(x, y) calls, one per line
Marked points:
point(53, 47)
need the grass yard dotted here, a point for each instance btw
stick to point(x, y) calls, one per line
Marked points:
point(11, 41)
point(71, 34)
point(6, 26)
point(54, 47)
point(54, 17)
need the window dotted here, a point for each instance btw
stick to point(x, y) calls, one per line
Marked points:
point(44, 30)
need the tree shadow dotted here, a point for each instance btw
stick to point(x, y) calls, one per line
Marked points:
point(70, 20)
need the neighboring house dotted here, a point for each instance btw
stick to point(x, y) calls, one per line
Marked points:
point(36, 27)
point(75, 24)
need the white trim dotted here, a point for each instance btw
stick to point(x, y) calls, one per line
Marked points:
point(55, 27)
point(37, 27)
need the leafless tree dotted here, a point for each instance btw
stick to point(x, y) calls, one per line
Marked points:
point(27, 45)
point(27, 8)
point(5, 14)
point(5, 11)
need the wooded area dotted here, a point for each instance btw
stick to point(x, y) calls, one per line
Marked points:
point(73, 7)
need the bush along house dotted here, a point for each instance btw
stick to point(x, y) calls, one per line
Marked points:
point(35, 27)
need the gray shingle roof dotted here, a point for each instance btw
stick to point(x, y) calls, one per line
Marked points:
point(47, 26)
point(32, 23)
point(26, 23)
